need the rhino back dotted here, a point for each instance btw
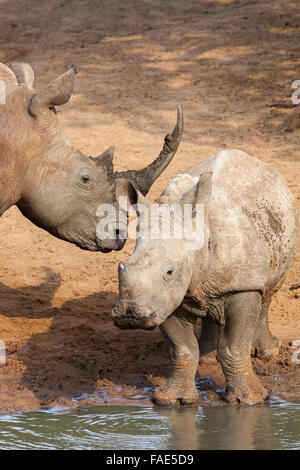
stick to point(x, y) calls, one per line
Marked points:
point(252, 223)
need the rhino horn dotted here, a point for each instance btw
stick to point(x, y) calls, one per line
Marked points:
point(58, 92)
point(143, 179)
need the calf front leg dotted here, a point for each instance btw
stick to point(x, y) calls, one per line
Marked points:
point(234, 347)
point(178, 331)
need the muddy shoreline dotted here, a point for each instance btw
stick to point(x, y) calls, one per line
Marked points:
point(279, 375)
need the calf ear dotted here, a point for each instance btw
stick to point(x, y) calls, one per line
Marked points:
point(200, 193)
point(204, 188)
point(8, 78)
point(127, 195)
point(24, 74)
point(58, 92)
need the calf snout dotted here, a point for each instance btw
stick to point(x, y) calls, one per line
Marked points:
point(127, 317)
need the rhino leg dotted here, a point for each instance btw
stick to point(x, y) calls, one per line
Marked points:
point(178, 331)
point(264, 344)
point(208, 341)
point(234, 346)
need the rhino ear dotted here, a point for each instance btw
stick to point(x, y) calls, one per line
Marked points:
point(106, 158)
point(9, 79)
point(127, 195)
point(58, 92)
point(23, 73)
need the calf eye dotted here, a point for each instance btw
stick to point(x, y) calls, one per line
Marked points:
point(168, 275)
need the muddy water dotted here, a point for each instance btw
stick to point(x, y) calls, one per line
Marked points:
point(276, 426)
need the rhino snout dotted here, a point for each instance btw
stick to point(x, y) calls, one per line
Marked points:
point(105, 246)
point(110, 244)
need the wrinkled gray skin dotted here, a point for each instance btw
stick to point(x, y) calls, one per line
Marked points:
point(249, 236)
point(52, 183)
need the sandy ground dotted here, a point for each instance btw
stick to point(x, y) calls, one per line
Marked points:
point(230, 64)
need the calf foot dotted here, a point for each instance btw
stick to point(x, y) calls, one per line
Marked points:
point(174, 393)
point(265, 347)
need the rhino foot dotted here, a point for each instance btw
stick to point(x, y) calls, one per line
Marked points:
point(249, 394)
point(264, 348)
point(176, 395)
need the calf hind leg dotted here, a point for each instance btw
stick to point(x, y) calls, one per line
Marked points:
point(264, 344)
point(178, 331)
point(234, 346)
point(208, 341)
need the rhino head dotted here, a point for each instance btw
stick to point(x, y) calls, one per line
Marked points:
point(156, 278)
point(53, 184)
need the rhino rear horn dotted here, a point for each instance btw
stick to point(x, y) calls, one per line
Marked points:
point(58, 92)
point(23, 73)
point(143, 179)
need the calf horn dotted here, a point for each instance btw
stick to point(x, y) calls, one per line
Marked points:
point(143, 179)
point(125, 280)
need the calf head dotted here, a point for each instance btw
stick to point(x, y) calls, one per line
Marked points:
point(53, 184)
point(156, 277)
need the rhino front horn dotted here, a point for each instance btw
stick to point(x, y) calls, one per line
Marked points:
point(122, 272)
point(143, 179)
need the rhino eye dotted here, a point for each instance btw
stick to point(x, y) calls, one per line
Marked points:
point(168, 275)
point(52, 108)
point(84, 182)
point(85, 179)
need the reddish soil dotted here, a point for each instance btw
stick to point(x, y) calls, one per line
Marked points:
point(230, 64)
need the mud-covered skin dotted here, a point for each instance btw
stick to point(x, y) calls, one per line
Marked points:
point(53, 184)
point(249, 235)
point(180, 388)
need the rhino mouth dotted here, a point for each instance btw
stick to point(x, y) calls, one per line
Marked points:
point(110, 245)
point(128, 321)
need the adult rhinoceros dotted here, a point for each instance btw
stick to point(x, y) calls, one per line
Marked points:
point(52, 183)
point(247, 245)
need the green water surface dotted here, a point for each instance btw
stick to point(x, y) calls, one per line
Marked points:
point(273, 426)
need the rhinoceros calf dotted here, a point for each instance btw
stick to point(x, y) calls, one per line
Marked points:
point(52, 183)
point(247, 246)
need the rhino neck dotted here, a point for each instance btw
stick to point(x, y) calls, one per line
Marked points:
point(10, 188)
point(48, 170)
